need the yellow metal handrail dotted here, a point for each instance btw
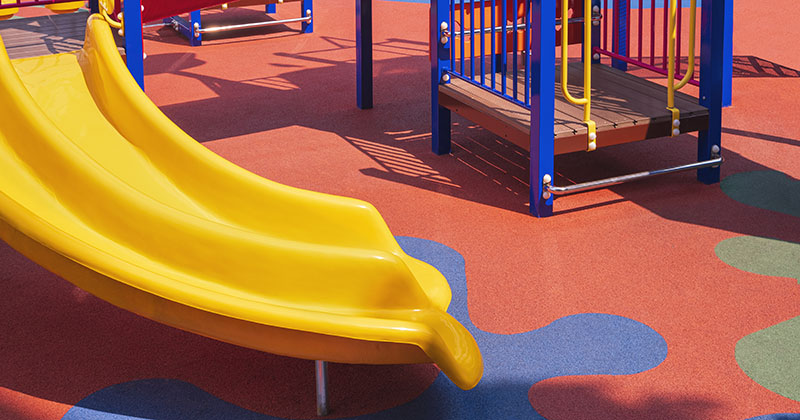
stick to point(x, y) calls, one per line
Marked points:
point(671, 86)
point(586, 101)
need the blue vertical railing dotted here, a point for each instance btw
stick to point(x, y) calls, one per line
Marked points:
point(501, 35)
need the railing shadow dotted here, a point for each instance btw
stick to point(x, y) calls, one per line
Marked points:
point(482, 167)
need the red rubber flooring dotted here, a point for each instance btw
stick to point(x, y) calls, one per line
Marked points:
point(282, 105)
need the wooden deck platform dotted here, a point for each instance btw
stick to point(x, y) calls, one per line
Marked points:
point(626, 109)
point(43, 35)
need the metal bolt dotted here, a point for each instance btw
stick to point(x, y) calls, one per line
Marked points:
point(546, 195)
point(715, 149)
point(546, 179)
point(596, 56)
point(445, 77)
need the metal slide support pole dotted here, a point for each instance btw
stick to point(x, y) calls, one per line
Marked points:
point(621, 14)
point(543, 43)
point(440, 63)
point(196, 23)
point(712, 53)
point(306, 10)
point(364, 54)
point(321, 376)
point(134, 48)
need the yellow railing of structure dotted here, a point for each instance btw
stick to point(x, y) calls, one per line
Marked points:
point(671, 86)
point(106, 9)
point(586, 101)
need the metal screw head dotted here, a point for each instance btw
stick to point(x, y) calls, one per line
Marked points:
point(596, 56)
point(546, 195)
point(443, 39)
point(596, 9)
point(676, 132)
point(308, 12)
point(445, 77)
point(444, 26)
point(546, 179)
point(676, 123)
point(715, 149)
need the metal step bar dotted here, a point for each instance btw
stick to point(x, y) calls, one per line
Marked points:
point(549, 188)
point(198, 30)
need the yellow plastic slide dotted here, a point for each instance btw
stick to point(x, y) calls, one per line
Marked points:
point(101, 188)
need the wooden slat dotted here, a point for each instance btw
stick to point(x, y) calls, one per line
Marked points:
point(626, 108)
point(43, 35)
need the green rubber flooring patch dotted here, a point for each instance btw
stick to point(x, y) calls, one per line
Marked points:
point(771, 357)
point(770, 257)
point(770, 190)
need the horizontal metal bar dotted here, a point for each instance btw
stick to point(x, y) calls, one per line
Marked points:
point(520, 27)
point(591, 185)
point(252, 25)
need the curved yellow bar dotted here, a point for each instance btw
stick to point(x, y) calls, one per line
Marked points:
point(101, 188)
point(586, 100)
point(671, 86)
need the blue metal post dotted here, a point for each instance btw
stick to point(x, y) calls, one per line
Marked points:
point(364, 54)
point(271, 8)
point(195, 21)
point(440, 63)
point(543, 44)
point(306, 9)
point(94, 6)
point(727, 67)
point(134, 48)
point(712, 53)
point(619, 44)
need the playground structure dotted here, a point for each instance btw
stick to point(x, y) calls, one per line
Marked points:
point(481, 69)
point(165, 228)
point(193, 28)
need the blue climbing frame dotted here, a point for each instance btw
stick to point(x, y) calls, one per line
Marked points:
point(539, 32)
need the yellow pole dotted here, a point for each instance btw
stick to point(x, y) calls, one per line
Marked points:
point(671, 86)
point(586, 100)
